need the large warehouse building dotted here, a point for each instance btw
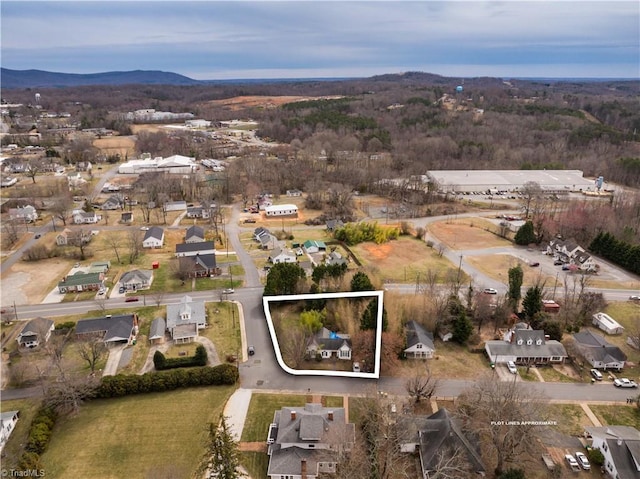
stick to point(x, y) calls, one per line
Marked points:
point(462, 181)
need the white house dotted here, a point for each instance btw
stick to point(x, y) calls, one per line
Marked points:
point(27, 213)
point(279, 255)
point(85, 218)
point(36, 331)
point(8, 420)
point(607, 324)
point(328, 344)
point(153, 238)
point(525, 346)
point(419, 341)
point(281, 210)
point(294, 193)
point(620, 446)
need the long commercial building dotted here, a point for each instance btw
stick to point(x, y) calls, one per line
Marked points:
point(465, 181)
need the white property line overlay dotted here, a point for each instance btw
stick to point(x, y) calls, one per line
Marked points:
point(315, 372)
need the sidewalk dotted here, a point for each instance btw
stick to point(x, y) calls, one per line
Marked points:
point(236, 411)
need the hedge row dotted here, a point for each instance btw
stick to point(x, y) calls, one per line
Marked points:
point(124, 385)
point(39, 437)
point(161, 362)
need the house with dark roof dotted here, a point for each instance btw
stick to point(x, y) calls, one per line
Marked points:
point(419, 342)
point(525, 346)
point(598, 352)
point(307, 442)
point(328, 344)
point(620, 446)
point(438, 438)
point(192, 249)
point(120, 329)
point(194, 234)
point(157, 331)
point(198, 266)
point(126, 217)
point(198, 212)
point(334, 258)
point(81, 282)
point(153, 238)
point(333, 225)
point(36, 331)
point(136, 279)
point(185, 319)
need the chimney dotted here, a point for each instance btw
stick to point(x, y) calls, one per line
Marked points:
point(293, 415)
point(303, 469)
point(330, 415)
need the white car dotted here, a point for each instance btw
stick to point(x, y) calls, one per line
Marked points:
point(634, 297)
point(490, 291)
point(584, 462)
point(229, 291)
point(573, 464)
point(511, 366)
point(144, 228)
point(624, 383)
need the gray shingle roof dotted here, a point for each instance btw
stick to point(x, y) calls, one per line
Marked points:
point(194, 231)
point(595, 348)
point(191, 247)
point(140, 275)
point(36, 326)
point(115, 328)
point(417, 334)
point(546, 350)
point(157, 329)
point(154, 232)
point(194, 309)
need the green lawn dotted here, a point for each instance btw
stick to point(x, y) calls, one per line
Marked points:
point(334, 401)
point(260, 413)
point(131, 436)
point(551, 375)
point(15, 445)
point(255, 463)
point(223, 329)
point(618, 415)
point(570, 418)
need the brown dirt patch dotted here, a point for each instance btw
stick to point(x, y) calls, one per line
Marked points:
point(122, 145)
point(242, 102)
point(378, 251)
point(252, 446)
point(470, 233)
point(497, 267)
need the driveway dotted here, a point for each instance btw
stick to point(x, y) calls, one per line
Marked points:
point(115, 353)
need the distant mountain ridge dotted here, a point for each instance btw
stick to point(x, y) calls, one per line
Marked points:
point(39, 78)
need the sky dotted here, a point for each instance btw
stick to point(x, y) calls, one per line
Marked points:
point(217, 40)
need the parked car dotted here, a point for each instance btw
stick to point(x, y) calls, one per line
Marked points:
point(511, 366)
point(228, 291)
point(101, 291)
point(624, 383)
point(557, 263)
point(249, 220)
point(573, 464)
point(251, 350)
point(490, 291)
point(534, 264)
point(38, 236)
point(597, 375)
point(356, 367)
point(565, 267)
point(144, 228)
point(584, 462)
point(634, 297)
point(121, 290)
point(132, 299)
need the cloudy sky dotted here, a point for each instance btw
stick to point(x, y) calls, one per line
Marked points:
point(209, 39)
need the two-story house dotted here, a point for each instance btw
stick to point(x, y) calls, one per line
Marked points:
point(304, 443)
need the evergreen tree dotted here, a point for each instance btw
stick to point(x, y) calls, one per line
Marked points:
point(462, 327)
point(283, 278)
point(515, 284)
point(361, 282)
point(525, 234)
point(369, 318)
point(532, 302)
point(222, 452)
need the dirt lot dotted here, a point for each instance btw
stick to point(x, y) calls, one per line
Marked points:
point(29, 283)
point(125, 146)
point(497, 267)
point(243, 102)
point(469, 233)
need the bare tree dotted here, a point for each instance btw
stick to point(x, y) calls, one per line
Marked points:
point(422, 385)
point(530, 191)
point(114, 241)
point(80, 239)
point(10, 232)
point(92, 351)
point(505, 415)
point(62, 208)
point(134, 243)
point(157, 298)
point(101, 302)
point(33, 168)
point(293, 344)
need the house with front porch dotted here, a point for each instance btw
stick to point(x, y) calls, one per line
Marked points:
point(112, 330)
point(153, 238)
point(419, 341)
point(35, 332)
point(598, 352)
point(136, 279)
point(198, 266)
point(328, 344)
point(81, 282)
point(185, 319)
point(526, 347)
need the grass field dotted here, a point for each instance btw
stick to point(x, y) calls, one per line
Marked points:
point(497, 267)
point(628, 315)
point(255, 463)
point(261, 410)
point(570, 418)
point(383, 260)
point(467, 233)
point(618, 415)
point(131, 436)
point(14, 447)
